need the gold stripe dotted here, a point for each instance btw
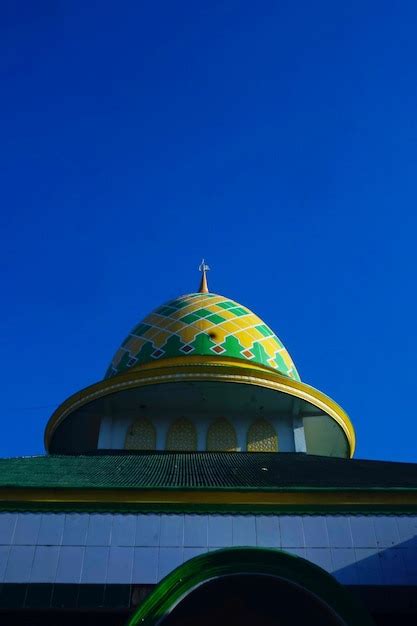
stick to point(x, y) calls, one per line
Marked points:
point(204, 497)
point(203, 368)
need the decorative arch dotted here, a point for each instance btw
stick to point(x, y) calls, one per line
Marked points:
point(299, 572)
point(262, 437)
point(182, 435)
point(221, 436)
point(141, 435)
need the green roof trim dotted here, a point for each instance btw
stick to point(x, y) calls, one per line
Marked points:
point(200, 482)
point(205, 470)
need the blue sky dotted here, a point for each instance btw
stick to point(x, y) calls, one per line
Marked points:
point(276, 139)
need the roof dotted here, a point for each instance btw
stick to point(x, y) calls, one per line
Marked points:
point(202, 324)
point(204, 470)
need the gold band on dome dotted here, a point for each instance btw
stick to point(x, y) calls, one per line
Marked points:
point(203, 368)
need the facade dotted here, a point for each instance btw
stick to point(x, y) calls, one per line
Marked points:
point(201, 480)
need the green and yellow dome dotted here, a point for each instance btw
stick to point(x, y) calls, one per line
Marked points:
point(201, 357)
point(206, 325)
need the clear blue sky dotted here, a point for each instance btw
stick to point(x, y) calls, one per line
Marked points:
point(276, 139)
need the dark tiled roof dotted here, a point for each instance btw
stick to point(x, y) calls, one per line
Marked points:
point(232, 470)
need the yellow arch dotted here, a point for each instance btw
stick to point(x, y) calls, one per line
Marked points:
point(221, 436)
point(182, 435)
point(262, 437)
point(141, 435)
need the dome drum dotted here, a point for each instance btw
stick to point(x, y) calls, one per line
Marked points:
point(201, 397)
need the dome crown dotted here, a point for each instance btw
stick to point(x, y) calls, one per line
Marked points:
point(202, 324)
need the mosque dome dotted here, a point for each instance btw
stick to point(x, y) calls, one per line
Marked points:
point(201, 373)
point(205, 325)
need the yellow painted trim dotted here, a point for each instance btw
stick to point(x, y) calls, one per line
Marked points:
point(207, 369)
point(207, 497)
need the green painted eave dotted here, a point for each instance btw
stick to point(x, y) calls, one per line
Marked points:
point(206, 482)
point(204, 470)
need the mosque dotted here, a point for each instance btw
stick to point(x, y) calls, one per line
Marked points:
point(201, 481)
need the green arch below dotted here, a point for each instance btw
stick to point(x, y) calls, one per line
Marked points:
point(231, 561)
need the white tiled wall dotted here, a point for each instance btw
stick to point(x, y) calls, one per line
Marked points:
point(117, 548)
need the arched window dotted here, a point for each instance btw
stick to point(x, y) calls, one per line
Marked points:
point(262, 437)
point(182, 435)
point(221, 436)
point(141, 435)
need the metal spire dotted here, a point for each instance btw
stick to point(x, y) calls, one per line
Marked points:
point(204, 268)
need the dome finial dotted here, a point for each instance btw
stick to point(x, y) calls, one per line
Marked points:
point(204, 268)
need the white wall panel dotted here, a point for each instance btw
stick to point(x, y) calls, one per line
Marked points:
point(339, 531)
point(190, 553)
point(120, 548)
point(392, 566)
point(267, 531)
point(195, 530)
point(169, 559)
point(386, 531)
point(292, 532)
point(27, 529)
point(301, 552)
point(51, 529)
point(220, 531)
point(95, 564)
point(321, 557)
point(407, 528)
point(344, 565)
point(123, 530)
point(99, 529)
point(172, 530)
point(120, 565)
point(145, 565)
point(244, 530)
point(4, 555)
point(315, 531)
point(70, 564)
point(363, 531)
point(368, 566)
point(45, 564)
point(148, 530)
point(19, 564)
point(75, 529)
point(7, 527)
